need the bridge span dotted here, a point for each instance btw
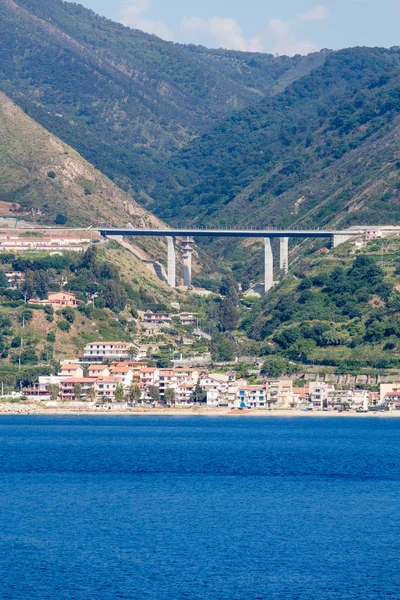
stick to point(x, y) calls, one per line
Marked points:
point(187, 242)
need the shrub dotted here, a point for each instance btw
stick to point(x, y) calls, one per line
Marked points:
point(60, 219)
point(64, 326)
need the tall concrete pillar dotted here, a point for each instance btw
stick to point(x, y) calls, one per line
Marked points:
point(187, 247)
point(171, 261)
point(284, 256)
point(269, 266)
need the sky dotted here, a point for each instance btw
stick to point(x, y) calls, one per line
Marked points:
point(284, 27)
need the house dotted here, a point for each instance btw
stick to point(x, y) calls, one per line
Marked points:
point(67, 387)
point(386, 389)
point(361, 399)
point(98, 371)
point(187, 318)
point(300, 397)
point(372, 234)
point(105, 386)
point(156, 320)
point(253, 396)
point(125, 373)
point(100, 351)
point(71, 370)
point(15, 279)
point(339, 399)
point(392, 400)
point(58, 300)
point(216, 387)
point(213, 399)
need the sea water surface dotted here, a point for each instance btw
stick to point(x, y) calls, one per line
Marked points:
point(173, 508)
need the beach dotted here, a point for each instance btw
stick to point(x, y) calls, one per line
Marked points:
point(39, 409)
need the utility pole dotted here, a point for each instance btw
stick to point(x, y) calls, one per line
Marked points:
point(20, 351)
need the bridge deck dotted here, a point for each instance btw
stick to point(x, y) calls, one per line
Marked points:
point(250, 233)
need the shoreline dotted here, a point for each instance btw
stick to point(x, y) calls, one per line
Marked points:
point(17, 410)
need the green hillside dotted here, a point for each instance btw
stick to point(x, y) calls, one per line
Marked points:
point(323, 151)
point(339, 309)
point(126, 100)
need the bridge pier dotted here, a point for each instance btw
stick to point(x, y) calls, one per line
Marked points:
point(269, 266)
point(171, 261)
point(284, 256)
point(187, 247)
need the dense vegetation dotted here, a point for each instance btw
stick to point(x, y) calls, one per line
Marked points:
point(325, 148)
point(344, 313)
point(125, 99)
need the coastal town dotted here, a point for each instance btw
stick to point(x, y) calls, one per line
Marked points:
point(115, 376)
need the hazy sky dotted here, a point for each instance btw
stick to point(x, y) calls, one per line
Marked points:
point(284, 26)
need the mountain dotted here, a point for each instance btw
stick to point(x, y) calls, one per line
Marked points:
point(325, 150)
point(42, 177)
point(126, 100)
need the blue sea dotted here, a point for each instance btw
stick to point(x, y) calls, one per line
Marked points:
point(199, 508)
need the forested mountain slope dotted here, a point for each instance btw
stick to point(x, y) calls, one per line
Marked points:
point(42, 177)
point(339, 309)
point(324, 150)
point(124, 99)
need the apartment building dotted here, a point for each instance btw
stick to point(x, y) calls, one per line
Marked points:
point(149, 376)
point(253, 396)
point(67, 387)
point(100, 351)
point(105, 386)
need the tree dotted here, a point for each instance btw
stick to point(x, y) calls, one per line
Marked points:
point(228, 315)
point(89, 258)
point(135, 394)
point(60, 219)
point(274, 367)
point(245, 284)
point(114, 295)
point(68, 314)
point(92, 394)
point(154, 394)
point(3, 280)
point(64, 326)
point(26, 357)
point(77, 390)
point(222, 348)
point(229, 288)
point(199, 396)
point(169, 396)
point(119, 394)
point(53, 391)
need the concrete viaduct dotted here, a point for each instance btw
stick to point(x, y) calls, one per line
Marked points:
point(187, 243)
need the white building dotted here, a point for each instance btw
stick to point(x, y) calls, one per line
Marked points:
point(99, 351)
point(105, 386)
point(319, 391)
